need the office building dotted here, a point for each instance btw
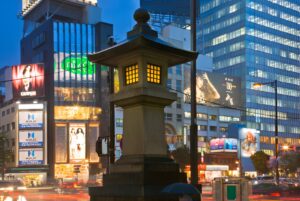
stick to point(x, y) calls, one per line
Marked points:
point(58, 35)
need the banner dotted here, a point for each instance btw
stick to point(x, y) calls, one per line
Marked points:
point(30, 119)
point(214, 88)
point(31, 156)
point(28, 81)
point(31, 138)
point(223, 145)
point(249, 141)
point(77, 142)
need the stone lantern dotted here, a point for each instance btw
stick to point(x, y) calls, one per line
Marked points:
point(142, 62)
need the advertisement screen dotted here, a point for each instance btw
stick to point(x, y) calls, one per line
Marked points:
point(31, 138)
point(28, 81)
point(77, 139)
point(31, 156)
point(214, 88)
point(249, 141)
point(223, 145)
point(30, 119)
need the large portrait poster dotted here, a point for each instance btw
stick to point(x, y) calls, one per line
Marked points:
point(30, 119)
point(28, 81)
point(214, 88)
point(31, 156)
point(31, 138)
point(249, 141)
point(77, 142)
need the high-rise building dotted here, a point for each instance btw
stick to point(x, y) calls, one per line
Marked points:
point(258, 41)
point(59, 34)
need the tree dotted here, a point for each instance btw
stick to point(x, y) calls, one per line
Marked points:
point(182, 156)
point(289, 162)
point(260, 161)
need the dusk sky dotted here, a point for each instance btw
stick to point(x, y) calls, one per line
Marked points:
point(117, 12)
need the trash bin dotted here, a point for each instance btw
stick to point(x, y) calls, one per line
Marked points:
point(231, 189)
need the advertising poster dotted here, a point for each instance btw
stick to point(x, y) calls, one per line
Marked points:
point(214, 88)
point(31, 156)
point(223, 145)
point(28, 81)
point(249, 141)
point(30, 119)
point(31, 138)
point(77, 142)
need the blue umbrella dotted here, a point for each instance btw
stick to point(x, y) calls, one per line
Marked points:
point(181, 189)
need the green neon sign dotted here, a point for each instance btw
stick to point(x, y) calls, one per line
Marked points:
point(78, 65)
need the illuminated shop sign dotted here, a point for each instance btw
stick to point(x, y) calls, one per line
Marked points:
point(74, 94)
point(30, 119)
point(76, 113)
point(214, 88)
point(68, 67)
point(223, 145)
point(31, 138)
point(77, 142)
point(249, 141)
point(31, 156)
point(28, 81)
point(31, 106)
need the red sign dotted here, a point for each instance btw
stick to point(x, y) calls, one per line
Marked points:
point(28, 81)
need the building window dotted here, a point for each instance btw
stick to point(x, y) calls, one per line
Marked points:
point(213, 128)
point(202, 128)
point(169, 83)
point(3, 113)
point(170, 70)
point(202, 116)
point(179, 117)
point(178, 104)
point(119, 122)
point(178, 70)
point(8, 127)
point(7, 111)
point(13, 125)
point(223, 129)
point(13, 142)
point(213, 117)
point(12, 109)
point(3, 128)
point(168, 116)
point(131, 74)
point(178, 86)
point(153, 74)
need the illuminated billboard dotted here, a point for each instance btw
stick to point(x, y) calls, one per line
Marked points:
point(76, 113)
point(28, 81)
point(31, 138)
point(214, 88)
point(30, 119)
point(33, 156)
point(223, 145)
point(77, 142)
point(249, 141)
point(71, 67)
point(32, 3)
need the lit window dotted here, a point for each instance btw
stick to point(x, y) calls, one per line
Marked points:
point(131, 74)
point(153, 73)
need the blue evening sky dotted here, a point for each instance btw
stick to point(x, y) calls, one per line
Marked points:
point(117, 12)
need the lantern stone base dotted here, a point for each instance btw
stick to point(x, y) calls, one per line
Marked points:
point(138, 178)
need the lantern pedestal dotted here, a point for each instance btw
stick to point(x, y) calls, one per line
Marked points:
point(138, 178)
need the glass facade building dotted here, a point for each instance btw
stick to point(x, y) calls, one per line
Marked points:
point(258, 41)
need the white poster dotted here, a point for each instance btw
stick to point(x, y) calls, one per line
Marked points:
point(249, 141)
point(30, 119)
point(31, 156)
point(31, 138)
point(77, 136)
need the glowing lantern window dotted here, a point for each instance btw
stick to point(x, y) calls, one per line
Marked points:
point(131, 74)
point(153, 74)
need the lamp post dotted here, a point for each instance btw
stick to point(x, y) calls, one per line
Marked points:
point(274, 85)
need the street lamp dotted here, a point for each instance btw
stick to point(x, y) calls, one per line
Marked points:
point(274, 85)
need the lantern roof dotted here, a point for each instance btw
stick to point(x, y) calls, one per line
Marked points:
point(142, 37)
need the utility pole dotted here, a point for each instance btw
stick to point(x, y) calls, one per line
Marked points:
point(193, 127)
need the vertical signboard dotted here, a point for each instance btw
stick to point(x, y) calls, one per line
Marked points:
point(31, 138)
point(77, 142)
point(249, 141)
point(34, 156)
